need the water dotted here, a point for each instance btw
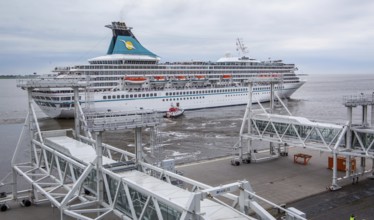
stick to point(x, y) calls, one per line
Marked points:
point(200, 134)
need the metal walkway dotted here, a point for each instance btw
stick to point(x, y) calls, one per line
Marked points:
point(350, 140)
point(87, 179)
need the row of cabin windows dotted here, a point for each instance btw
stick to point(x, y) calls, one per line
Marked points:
point(206, 91)
point(144, 95)
point(197, 97)
point(185, 98)
point(213, 73)
point(180, 67)
point(268, 87)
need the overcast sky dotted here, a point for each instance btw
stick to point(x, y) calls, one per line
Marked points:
point(319, 36)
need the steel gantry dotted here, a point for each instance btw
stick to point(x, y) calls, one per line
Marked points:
point(281, 131)
point(87, 179)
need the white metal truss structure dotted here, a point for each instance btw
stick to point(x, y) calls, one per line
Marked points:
point(339, 139)
point(87, 179)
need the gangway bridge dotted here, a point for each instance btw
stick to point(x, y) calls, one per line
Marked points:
point(284, 130)
point(87, 179)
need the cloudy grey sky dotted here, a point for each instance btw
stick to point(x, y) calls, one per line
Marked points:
point(319, 36)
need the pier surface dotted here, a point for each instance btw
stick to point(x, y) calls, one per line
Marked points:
point(281, 181)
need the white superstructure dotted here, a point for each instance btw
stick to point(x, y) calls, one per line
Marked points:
point(131, 77)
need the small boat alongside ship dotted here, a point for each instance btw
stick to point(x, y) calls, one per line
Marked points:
point(130, 77)
point(174, 112)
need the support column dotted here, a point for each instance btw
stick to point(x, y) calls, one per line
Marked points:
point(99, 165)
point(14, 186)
point(76, 112)
point(272, 89)
point(138, 144)
point(363, 165)
point(152, 140)
point(348, 141)
point(372, 110)
point(372, 115)
point(364, 115)
point(29, 90)
point(372, 169)
point(31, 133)
point(249, 117)
point(334, 185)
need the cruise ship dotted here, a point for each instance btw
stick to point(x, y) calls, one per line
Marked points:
point(130, 77)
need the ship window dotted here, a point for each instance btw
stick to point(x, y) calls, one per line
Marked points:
point(131, 96)
point(118, 96)
point(122, 96)
point(173, 93)
point(154, 94)
point(143, 95)
point(127, 96)
point(104, 97)
point(135, 95)
point(147, 95)
point(151, 94)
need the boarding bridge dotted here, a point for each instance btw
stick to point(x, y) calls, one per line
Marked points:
point(281, 131)
point(87, 179)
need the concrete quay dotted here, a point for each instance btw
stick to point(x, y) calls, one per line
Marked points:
point(281, 181)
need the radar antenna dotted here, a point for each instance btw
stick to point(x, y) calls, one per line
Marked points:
point(240, 47)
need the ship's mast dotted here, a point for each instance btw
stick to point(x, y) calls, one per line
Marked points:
point(240, 47)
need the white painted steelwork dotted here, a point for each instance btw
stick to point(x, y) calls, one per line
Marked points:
point(339, 139)
point(87, 179)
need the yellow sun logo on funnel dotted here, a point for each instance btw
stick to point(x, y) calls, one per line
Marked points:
point(128, 45)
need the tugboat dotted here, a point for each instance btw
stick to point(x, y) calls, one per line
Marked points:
point(174, 112)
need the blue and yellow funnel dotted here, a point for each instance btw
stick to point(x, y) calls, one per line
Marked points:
point(124, 41)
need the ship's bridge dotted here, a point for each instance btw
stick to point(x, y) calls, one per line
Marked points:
point(237, 60)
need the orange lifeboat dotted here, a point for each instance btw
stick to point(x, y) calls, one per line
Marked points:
point(181, 77)
point(159, 78)
point(135, 80)
point(226, 76)
point(199, 77)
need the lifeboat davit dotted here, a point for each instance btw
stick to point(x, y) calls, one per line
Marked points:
point(135, 80)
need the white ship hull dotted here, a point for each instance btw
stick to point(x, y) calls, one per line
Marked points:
point(162, 102)
point(130, 77)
